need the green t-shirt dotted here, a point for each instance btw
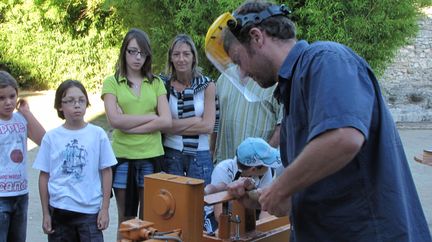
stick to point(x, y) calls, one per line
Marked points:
point(136, 146)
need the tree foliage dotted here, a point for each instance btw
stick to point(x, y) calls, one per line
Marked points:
point(44, 42)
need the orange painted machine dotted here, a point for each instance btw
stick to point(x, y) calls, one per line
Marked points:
point(173, 211)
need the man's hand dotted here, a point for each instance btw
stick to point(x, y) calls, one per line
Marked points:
point(272, 202)
point(239, 188)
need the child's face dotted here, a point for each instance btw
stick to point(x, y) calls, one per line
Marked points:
point(74, 104)
point(8, 100)
point(135, 57)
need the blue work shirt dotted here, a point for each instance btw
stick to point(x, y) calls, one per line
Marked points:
point(326, 86)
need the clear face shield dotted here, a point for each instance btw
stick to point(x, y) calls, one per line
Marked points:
point(225, 51)
point(218, 38)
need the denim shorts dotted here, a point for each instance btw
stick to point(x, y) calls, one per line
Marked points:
point(198, 166)
point(120, 176)
point(72, 226)
point(13, 218)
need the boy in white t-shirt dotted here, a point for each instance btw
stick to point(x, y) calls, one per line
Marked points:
point(254, 158)
point(75, 178)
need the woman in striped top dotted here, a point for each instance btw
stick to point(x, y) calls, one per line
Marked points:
point(192, 101)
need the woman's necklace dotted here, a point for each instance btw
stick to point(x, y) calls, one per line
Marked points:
point(136, 87)
point(180, 86)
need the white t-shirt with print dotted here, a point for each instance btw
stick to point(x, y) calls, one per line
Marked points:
point(13, 156)
point(74, 160)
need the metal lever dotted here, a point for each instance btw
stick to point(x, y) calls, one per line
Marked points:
point(237, 221)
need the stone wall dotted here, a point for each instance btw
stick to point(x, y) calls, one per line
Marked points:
point(407, 82)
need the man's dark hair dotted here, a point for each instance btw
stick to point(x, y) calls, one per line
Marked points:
point(279, 26)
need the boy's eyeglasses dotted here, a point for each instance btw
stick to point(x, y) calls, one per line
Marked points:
point(73, 102)
point(136, 53)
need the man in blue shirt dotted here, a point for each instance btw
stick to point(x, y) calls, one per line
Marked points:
point(346, 175)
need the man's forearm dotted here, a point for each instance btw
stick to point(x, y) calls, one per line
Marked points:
point(323, 156)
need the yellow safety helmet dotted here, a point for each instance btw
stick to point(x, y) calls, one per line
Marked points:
point(214, 41)
point(227, 27)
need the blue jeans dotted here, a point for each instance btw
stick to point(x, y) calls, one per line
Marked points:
point(72, 227)
point(196, 166)
point(121, 172)
point(13, 218)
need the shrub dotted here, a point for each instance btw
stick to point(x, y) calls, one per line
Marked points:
point(46, 42)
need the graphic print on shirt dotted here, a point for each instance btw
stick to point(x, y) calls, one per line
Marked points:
point(14, 154)
point(75, 158)
point(12, 165)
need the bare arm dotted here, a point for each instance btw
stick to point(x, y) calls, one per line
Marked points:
point(204, 125)
point(179, 126)
point(162, 121)
point(213, 139)
point(208, 120)
point(103, 215)
point(323, 156)
point(44, 197)
point(275, 138)
point(35, 130)
point(118, 120)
